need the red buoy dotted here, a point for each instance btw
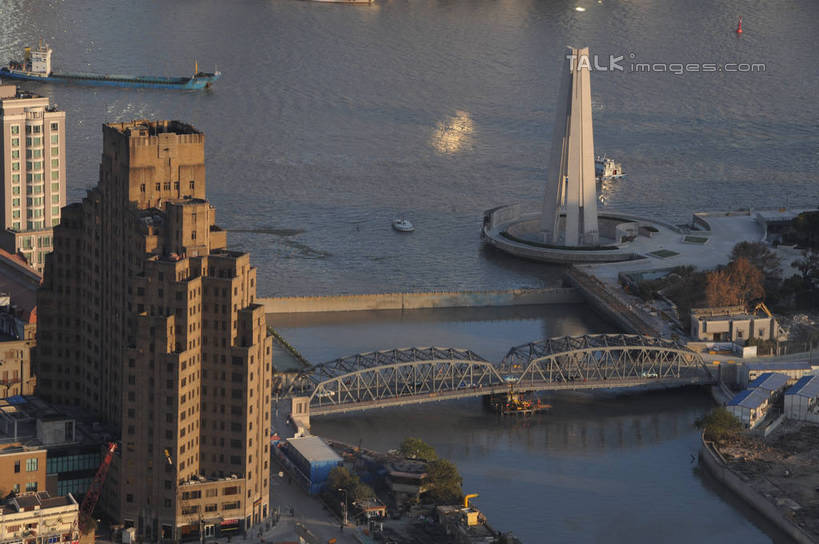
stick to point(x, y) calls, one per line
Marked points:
point(739, 26)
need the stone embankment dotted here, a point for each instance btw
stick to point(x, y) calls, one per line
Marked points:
point(417, 301)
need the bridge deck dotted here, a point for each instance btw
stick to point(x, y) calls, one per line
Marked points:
point(648, 383)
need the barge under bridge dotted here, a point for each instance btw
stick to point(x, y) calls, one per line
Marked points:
point(398, 377)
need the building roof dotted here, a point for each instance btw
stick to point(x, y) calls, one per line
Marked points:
point(769, 381)
point(21, 282)
point(313, 449)
point(774, 366)
point(807, 386)
point(750, 398)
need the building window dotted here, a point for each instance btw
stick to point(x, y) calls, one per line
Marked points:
point(55, 163)
point(15, 142)
point(193, 235)
point(142, 188)
point(55, 210)
point(15, 190)
point(55, 139)
point(15, 166)
point(157, 186)
point(17, 466)
point(15, 154)
point(31, 486)
point(129, 498)
point(32, 464)
point(15, 129)
point(15, 178)
point(192, 184)
point(167, 185)
point(55, 151)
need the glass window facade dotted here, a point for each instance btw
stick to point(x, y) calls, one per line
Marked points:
point(73, 463)
point(76, 487)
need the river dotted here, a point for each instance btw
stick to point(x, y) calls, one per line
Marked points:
point(597, 468)
point(330, 120)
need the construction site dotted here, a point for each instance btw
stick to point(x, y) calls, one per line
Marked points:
point(781, 468)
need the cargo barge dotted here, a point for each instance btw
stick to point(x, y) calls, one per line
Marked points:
point(36, 66)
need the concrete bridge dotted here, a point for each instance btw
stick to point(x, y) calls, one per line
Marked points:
point(414, 375)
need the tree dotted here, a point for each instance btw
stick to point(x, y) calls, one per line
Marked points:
point(808, 266)
point(718, 289)
point(415, 448)
point(341, 478)
point(445, 482)
point(719, 425)
point(805, 227)
point(737, 284)
point(759, 255)
point(747, 279)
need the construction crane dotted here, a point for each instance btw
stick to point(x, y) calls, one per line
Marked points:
point(466, 499)
point(761, 306)
point(95, 489)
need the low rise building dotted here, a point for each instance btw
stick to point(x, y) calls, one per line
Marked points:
point(407, 479)
point(71, 447)
point(772, 382)
point(749, 406)
point(802, 400)
point(733, 324)
point(792, 369)
point(371, 508)
point(22, 468)
point(39, 518)
point(18, 325)
point(312, 460)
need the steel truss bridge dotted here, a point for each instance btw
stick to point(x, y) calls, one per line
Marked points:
point(414, 375)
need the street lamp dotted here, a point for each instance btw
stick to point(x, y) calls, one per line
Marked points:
point(345, 504)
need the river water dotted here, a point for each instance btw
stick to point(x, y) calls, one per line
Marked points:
point(331, 120)
point(597, 468)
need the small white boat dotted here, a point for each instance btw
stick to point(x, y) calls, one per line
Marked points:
point(402, 225)
point(606, 168)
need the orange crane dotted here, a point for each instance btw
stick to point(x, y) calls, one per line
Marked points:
point(94, 490)
point(761, 306)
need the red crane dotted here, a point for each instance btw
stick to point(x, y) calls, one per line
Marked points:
point(94, 490)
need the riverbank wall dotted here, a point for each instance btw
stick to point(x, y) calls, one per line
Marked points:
point(418, 301)
point(598, 296)
point(718, 468)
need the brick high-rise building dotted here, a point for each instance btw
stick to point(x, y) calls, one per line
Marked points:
point(32, 173)
point(148, 322)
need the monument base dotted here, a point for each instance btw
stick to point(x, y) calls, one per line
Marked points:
point(519, 234)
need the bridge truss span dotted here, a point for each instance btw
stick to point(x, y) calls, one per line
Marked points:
point(603, 358)
point(415, 375)
point(392, 375)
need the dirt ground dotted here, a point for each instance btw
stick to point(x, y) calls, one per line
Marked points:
point(784, 467)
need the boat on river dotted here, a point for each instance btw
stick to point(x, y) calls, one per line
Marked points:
point(36, 66)
point(606, 168)
point(402, 225)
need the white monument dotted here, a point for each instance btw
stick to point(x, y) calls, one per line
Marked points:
point(570, 204)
